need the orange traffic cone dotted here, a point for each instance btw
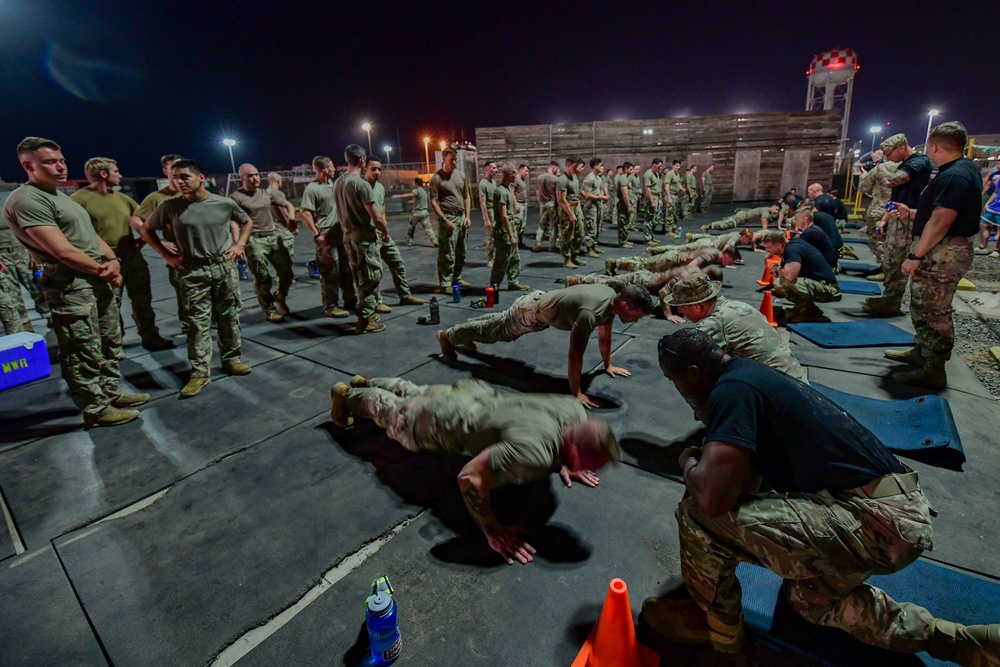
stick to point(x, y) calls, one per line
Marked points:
point(612, 642)
point(768, 309)
point(767, 280)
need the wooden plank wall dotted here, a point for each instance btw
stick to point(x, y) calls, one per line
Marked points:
point(675, 138)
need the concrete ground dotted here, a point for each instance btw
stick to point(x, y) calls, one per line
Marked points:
point(243, 527)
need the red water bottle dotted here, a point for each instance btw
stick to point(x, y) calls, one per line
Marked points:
point(491, 295)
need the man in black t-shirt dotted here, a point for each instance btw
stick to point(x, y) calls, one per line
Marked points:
point(946, 218)
point(814, 236)
point(803, 278)
point(842, 508)
point(907, 183)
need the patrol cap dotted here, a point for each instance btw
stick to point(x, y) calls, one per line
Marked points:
point(893, 142)
point(693, 289)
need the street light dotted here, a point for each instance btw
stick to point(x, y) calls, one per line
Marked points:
point(874, 129)
point(367, 127)
point(229, 143)
point(427, 154)
point(443, 145)
point(387, 149)
point(930, 119)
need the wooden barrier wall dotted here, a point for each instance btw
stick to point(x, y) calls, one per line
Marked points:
point(758, 143)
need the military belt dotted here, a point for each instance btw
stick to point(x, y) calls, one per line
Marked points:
point(891, 485)
point(205, 261)
point(274, 233)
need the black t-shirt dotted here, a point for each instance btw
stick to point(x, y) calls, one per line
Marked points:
point(840, 211)
point(825, 203)
point(958, 186)
point(826, 222)
point(919, 167)
point(799, 440)
point(814, 265)
point(818, 239)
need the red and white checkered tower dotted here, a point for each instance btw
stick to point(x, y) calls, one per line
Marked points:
point(831, 85)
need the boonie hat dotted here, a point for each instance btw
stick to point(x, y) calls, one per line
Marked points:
point(893, 142)
point(690, 290)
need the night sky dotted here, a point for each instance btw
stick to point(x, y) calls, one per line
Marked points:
point(289, 80)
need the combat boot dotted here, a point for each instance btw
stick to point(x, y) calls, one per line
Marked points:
point(157, 343)
point(931, 375)
point(273, 317)
point(280, 305)
point(592, 253)
point(847, 251)
point(340, 412)
point(880, 307)
point(910, 356)
point(537, 247)
point(517, 287)
point(579, 261)
point(382, 308)
point(626, 244)
point(368, 325)
point(447, 349)
point(974, 645)
point(685, 622)
point(463, 283)
point(876, 277)
point(336, 311)
point(609, 267)
point(29, 327)
point(705, 229)
point(652, 242)
point(110, 416)
point(130, 400)
point(570, 264)
point(359, 381)
point(235, 368)
point(194, 385)
point(410, 300)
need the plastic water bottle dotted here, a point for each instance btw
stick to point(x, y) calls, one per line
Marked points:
point(382, 620)
point(456, 293)
point(435, 312)
point(680, 232)
point(313, 269)
point(496, 295)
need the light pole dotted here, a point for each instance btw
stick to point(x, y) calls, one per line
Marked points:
point(930, 119)
point(427, 153)
point(387, 149)
point(367, 127)
point(229, 143)
point(443, 145)
point(874, 129)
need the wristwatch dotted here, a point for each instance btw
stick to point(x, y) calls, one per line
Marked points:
point(914, 257)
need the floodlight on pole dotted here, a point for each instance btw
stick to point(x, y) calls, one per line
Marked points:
point(930, 119)
point(874, 129)
point(229, 143)
point(367, 127)
point(444, 145)
point(427, 154)
point(387, 149)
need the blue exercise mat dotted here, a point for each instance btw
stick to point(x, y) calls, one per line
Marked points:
point(866, 333)
point(859, 287)
point(858, 267)
point(946, 593)
point(921, 428)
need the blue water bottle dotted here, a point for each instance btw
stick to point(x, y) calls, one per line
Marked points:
point(456, 293)
point(313, 269)
point(680, 232)
point(382, 619)
point(241, 266)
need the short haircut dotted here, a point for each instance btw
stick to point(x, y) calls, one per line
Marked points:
point(418, 181)
point(553, 163)
point(354, 154)
point(693, 166)
point(638, 298)
point(274, 176)
point(522, 166)
point(772, 236)
point(604, 439)
point(594, 161)
point(689, 347)
point(733, 252)
point(488, 163)
point(657, 160)
point(95, 165)
point(571, 160)
point(621, 166)
point(191, 165)
point(714, 271)
point(676, 162)
point(32, 144)
point(508, 168)
point(627, 165)
point(322, 162)
point(449, 151)
point(952, 134)
point(170, 157)
point(804, 212)
point(834, 193)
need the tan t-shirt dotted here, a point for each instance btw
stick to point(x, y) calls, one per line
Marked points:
point(450, 191)
point(110, 214)
point(201, 227)
point(278, 201)
point(583, 307)
point(547, 187)
point(258, 207)
point(153, 200)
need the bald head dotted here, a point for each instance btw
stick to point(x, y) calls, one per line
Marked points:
point(814, 190)
point(250, 177)
point(274, 178)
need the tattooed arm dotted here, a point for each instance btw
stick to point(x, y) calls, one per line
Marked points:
point(892, 180)
point(476, 480)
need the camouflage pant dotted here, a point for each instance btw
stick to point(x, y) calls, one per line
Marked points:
point(335, 275)
point(366, 264)
point(451, 250)
point(677, 210)
point(421, 218)
point(571, 232)
point(649, 211)
point(135, 274)
point(663, 261)
point(669, 217)
point(505, 325)
point(520, 220)
point(287, 239)
point(825, 546)
point(548, 222)
point(591, 219)
point(211, 293)
point(10, 303)
point(389, 252)
point(623, 220)
point(804, 292)
point(261, 249)
point(728, 223)
point(688, 203)
point(706, 200)
point(898, 238)
point(617, 283)
point(875, 241)
point(87, 325)
point(19, 264)
point(931, 294)
point(422, 417)
point(507, 260)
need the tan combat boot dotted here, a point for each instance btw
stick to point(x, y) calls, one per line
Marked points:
point(609, 267)
point(194, 385)
point(447, 349)
point(410, 300)
point(931, 375)
point(274, 317)
point(130, 400)
point(280, 305)
point(340, 413)
point(336, 311)
point(685, 622)
point(910, 356)
point(880, 307)
point(972, 645)
point(236, 368)
point(359, 381)
point(368, 325)
point(382, 308)
point(110, 416)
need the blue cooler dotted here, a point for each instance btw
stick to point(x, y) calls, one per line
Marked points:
point(24, 358)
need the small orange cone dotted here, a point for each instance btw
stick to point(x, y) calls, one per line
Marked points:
point(612, 642)
point(767, 280)
point(788, 235)
point(768, 309)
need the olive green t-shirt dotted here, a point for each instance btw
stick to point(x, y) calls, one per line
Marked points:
point(692, 182)
point(201, 228)
point(352, 193)
point(622, 182)
point(651, 180)
point(109, 213)
point(583, 307)
point(594, 184)
point(450, 191)
point(32, 206)
point(502, 196)
point(547, 187)
point(674, 182)
point(149, 204)
point(487, 188)
point(258, 207)
point(7, 238)
point(571, 186)
point(634, 186)
point(378, 193)
point(278, 201)
point(706, 179)
point(419, 200)
point(318, 198)
point(520, 190)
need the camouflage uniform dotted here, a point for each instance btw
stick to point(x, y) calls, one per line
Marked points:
point(519, 217)
point(593, 210)
point(825, 545)
point(506, 325)
point(10, 304)
point(623, 218)
point(688, 200)
point(635, 193)
point(931, 293)
point(744, 218)
point(285, 234)
point(674, 185)
point(389, 252)
point(652, 281)
point(874, 183)
point(263, 248)
point(287, 239)
point(805, 292)
point(15, 258)
point(366, 264)
point(650, 208)
point(898, 239)
point(548, 221)
point(571, 233)
point(423, 219)
point(699, 241)
point(666, 260)
point(507, 256)
point(706, 195)
point(210, 291)
point(335, 272)
point(451, 250)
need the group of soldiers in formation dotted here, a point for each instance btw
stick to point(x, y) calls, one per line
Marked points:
point(835, 506)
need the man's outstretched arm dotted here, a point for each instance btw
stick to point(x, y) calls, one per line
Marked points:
point(476, 480)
